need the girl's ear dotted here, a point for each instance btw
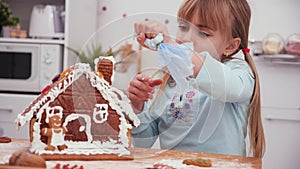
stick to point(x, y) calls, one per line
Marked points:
point(233, 45)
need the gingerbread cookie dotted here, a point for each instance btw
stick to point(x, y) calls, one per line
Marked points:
point(4, 139)
point(198, 162)
point(22, 158)
point(55, 132)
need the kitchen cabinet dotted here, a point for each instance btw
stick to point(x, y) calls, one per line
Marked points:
point(10, 106)
point(280, 94)
point(80, 24)
point(281, 127)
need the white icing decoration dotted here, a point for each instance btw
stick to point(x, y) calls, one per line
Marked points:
point(57, 138)
point(108, 92)
point(101, 110)
point(87, 119)
point(81, 128)
point(50, 111)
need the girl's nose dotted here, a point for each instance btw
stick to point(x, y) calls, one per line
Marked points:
point(183, 37)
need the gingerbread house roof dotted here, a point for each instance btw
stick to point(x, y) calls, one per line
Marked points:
point(116, 98)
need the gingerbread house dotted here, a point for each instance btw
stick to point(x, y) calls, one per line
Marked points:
point(81, 114)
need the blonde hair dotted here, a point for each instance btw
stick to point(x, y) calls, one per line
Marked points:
point(232, 18)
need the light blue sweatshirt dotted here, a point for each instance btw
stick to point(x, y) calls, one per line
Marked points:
point(212, 114)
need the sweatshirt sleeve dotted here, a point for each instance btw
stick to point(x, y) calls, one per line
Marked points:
point(146, 134)
point(229, 82)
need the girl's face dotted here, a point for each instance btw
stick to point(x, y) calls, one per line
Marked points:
point(203, 37)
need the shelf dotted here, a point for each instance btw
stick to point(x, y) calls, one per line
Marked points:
point(279, 58)
point(30, 40)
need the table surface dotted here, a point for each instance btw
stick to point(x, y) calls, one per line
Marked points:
point(143, 158)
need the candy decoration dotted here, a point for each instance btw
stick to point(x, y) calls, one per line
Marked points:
point(100, 74)
point(67, 166)
point(74, 167)
point(55, 78)
point(57, 166)
point(65, 72)
point(46, 89)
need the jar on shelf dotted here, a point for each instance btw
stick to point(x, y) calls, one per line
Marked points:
point(273, 43)
point(292, 45)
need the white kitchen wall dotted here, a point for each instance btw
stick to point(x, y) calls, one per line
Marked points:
point(110, 10)
point(268, 16)
point(274, 16)
point(116, 19)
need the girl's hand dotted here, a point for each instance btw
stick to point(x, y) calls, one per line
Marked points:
point(149, 29)
point(140, 90)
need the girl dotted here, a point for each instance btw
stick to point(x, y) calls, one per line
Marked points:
point(212, 115)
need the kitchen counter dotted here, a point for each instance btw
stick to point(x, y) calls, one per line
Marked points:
point(143, 158)
point(31, 40)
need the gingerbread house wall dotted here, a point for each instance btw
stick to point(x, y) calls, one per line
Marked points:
point(80, 98)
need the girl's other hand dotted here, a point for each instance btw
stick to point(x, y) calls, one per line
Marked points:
point(141, 89)
point(149, 29)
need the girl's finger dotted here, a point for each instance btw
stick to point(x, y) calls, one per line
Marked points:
point(141, 38)
point(135, 98)
point(141, 86)
point(155, 82)
point(138, 27)
point(138, 92)
point(142, 78)
point(150, 35)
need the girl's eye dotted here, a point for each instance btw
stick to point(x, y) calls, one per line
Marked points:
point(183, 28)
point(203, 34)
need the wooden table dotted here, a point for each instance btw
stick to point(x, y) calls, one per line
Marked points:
point(143, 158)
